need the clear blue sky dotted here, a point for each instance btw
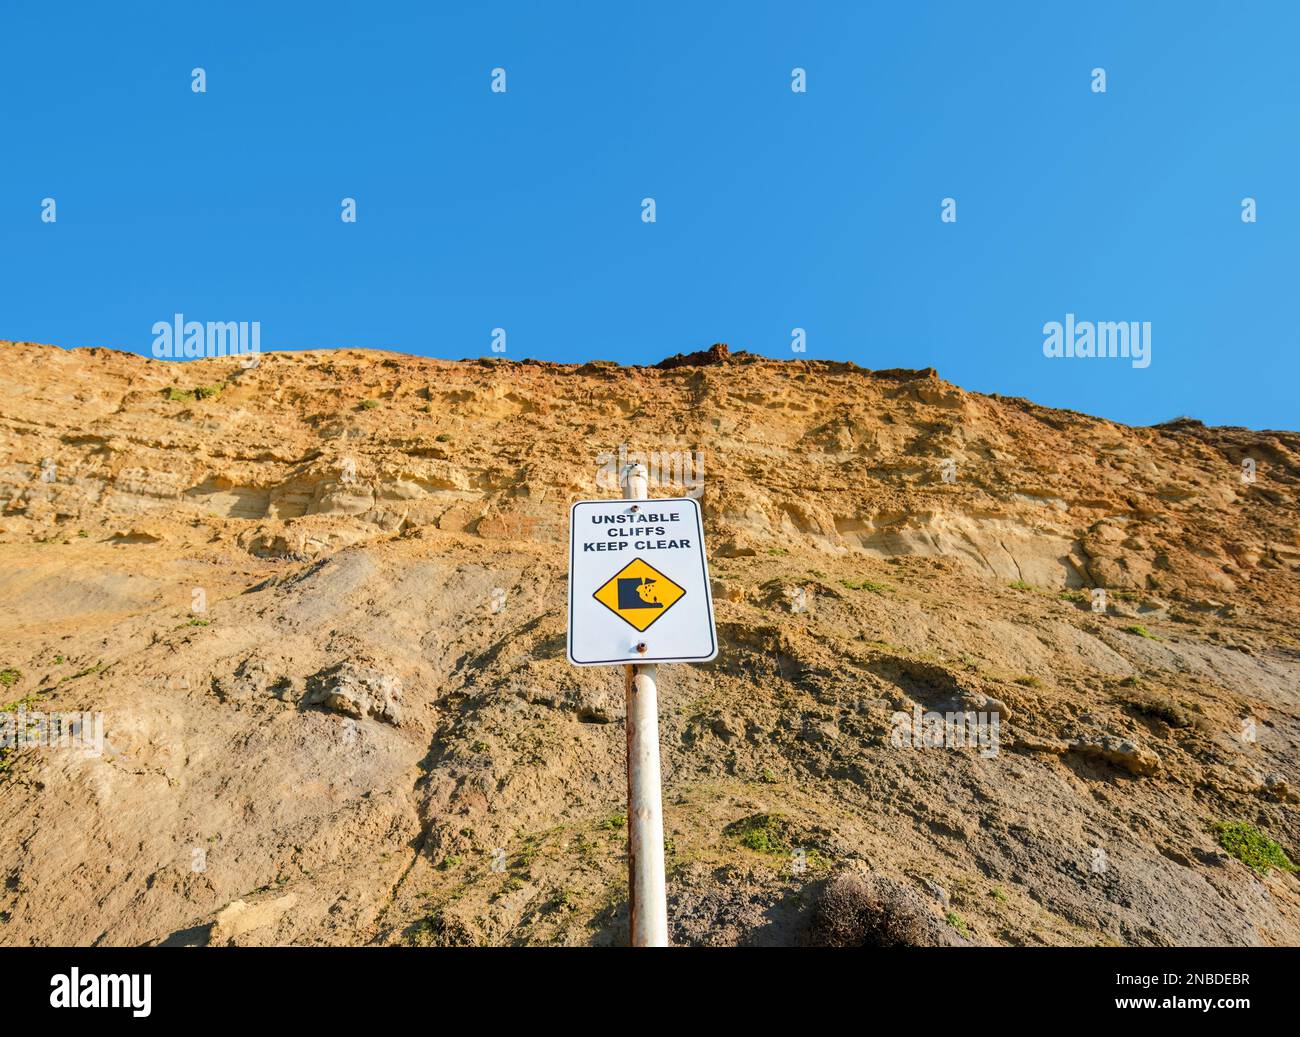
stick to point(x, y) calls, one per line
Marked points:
point(774, 209)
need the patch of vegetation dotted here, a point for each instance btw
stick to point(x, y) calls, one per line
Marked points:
point(9, 676)
point(867, 585)
point(199, 623)
point(957, 922)
point(368, 404)
point(1078, 597)
point(1141, 631)
point(999, 895)
point(817, 574)
point(426, 930)
point(777, 551)
point(613, 823)
point(583, 847)
point(449, 862)
point(199, 392)
point(1020, 585)
point(767, 777)
point(442, 437)
point(28, 700)
point(563, 900)
point(531, 848)
point(762, 833)
point(1029, 682)
point(479, 747)
point(1252, 847)
point(84, 673)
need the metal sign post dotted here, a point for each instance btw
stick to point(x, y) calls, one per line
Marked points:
point(638, 596)
point(647, 892)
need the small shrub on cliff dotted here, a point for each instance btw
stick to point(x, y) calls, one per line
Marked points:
point(872, 911)
point(867, 585)
point(199, 392)
point(1252, 847)
point(1161, 707)
point(762, 833)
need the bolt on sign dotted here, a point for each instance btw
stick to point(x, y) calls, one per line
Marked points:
point(639, 583)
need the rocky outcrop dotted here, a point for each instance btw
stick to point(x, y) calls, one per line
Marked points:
point(357, 691)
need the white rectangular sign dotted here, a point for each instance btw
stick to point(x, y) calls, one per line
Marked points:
point(638, 576)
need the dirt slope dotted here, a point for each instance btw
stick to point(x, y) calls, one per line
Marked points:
point(370, 732)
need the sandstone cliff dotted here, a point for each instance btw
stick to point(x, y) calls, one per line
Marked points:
point(320, 603)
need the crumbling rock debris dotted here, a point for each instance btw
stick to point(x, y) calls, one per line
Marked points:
point(1122, 752)
point(1278, 788)
point(1034, 744)
point(357, 690)
point(252, 680)
point(591, 705)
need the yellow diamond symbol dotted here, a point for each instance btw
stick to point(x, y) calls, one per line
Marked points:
point(639, 594)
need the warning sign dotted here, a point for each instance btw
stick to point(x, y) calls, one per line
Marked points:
point(638, 579)
point(639, 594)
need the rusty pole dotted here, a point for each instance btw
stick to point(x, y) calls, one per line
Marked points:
point(647, 895)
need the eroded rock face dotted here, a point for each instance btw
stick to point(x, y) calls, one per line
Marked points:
point(307, 454)
point(357, 690)
point(327, 640)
